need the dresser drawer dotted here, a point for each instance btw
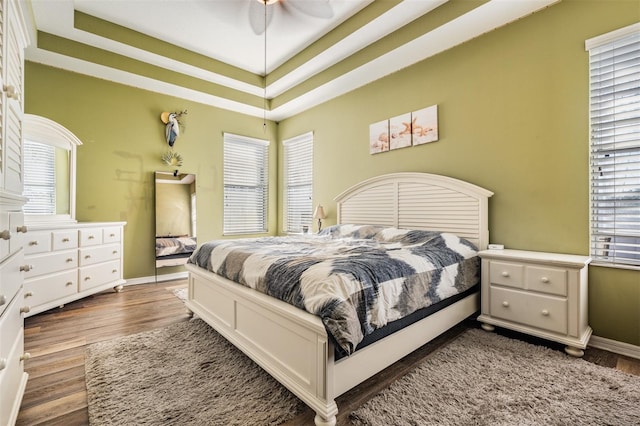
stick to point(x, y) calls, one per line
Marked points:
point(95, 275)
point(93, 255)
point(10, 279)
point(18, 231)
point(51, 262)
point(544, 312)
point(65, 240)
point(50, 288)
point(5, 234)
point(10, 325)
point(90, 237)
point(11, 377)
point(37, 242)
point(507, 274)
point(111, 234)
point(546, 280)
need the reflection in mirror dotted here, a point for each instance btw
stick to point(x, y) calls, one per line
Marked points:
point(49, 170)
point(175, 218)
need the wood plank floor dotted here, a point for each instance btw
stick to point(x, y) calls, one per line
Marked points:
point(56, 340)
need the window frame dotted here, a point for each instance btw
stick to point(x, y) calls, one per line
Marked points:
point(238, 153)
point(298, 176)
point(614, 142)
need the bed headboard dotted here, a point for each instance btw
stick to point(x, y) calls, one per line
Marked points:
point(419, 201)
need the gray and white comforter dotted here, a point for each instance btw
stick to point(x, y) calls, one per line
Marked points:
point(357, 278)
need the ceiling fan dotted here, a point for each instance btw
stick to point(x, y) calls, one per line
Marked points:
point(259, 22)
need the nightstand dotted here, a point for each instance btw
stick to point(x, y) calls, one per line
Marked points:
point(541, 294)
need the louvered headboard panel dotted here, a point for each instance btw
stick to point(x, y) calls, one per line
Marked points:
point(419, 201)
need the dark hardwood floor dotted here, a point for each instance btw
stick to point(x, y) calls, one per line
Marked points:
point(56, 340)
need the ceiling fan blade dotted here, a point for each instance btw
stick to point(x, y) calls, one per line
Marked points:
point(256, 16)
point(315, 8)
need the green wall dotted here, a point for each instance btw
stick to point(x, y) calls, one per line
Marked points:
point(123, 141)
point(513, 118)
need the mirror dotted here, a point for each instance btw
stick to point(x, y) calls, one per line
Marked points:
point(49, 170)
point(175, 217)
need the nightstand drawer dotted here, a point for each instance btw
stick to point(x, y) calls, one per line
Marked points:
point(507, 274)
point(546, 280)
point(544, 312)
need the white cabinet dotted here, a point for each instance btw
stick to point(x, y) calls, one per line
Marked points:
point(68, 262)
point(13, 379)
point(542, 294)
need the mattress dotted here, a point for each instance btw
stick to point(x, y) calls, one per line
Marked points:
point(356, 278)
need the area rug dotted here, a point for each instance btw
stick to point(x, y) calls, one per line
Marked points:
point(183, 374)
point(485, 379)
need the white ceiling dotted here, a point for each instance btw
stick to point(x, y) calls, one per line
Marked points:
point(221, 30)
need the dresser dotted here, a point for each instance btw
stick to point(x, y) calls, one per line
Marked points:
point(64, 263)
point(13, 379)
point(541, 294)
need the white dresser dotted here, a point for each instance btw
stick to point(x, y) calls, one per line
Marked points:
point(542, 294)
point(13, 379)
point(68, 262)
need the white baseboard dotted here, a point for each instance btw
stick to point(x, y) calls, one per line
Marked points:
point(157, 278)
point(615, 346)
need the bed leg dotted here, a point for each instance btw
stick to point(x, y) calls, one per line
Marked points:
point(321, 421)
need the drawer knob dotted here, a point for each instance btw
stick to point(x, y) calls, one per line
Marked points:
point(22, 229)
point(114, 271)
point(544, 280)
point(505, 274)
point(91, 237)
point(505, 304)
point(88, 256)
point(5, 235)
point(69, 259)
point(112, 235)
point(3, 299)
point(28, 294)
point(26, 268)
point(87, 278)
point(25, 356)
point(69, 283)
point(33, 243)
point(25, 310)
point(115, 252)
point(65, 240)
point(3, 363)
point(545, 312)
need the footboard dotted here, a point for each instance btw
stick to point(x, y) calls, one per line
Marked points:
point(290, 344)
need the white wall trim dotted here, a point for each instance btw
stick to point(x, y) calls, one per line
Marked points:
point(157, 278)
point(615, 346)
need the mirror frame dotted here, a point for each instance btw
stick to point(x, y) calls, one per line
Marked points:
point(43, 130)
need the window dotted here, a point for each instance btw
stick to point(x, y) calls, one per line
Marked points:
point(39, 178)
point(298, 169)
point(614, 71)
point(245, 184)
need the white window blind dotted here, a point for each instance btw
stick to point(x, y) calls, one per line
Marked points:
point(298, 165)
point(39, 178)
point(614, 69)
point(245, 184)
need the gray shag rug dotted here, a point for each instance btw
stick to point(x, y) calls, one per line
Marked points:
point(486, 379)
point(182, 374)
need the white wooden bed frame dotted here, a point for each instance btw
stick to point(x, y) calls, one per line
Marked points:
point(292, 345)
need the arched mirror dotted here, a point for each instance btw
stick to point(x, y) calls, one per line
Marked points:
point(49, 171)
point(175, 217)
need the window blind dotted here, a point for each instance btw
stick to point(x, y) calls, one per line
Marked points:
point(614, 69)
point(298, 165)
point(245, 184)
point(39, 178)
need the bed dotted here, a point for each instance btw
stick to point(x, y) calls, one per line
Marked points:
point(174, 250)
point(294, 345)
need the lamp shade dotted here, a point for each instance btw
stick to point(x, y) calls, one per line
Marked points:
point(319, 213)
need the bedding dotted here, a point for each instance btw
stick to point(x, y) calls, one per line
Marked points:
point(166, 246)
point(356, 278)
